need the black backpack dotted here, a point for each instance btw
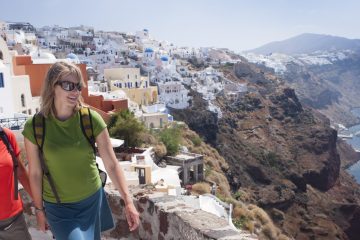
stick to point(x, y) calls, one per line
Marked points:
point(39, 134)
point(10, 149)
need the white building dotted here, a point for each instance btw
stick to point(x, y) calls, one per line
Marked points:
point(99, 42)
point(15, 36)
point(63, 34)
point(50, 41)
point(7, 107)
point(186, 52)
point(40, 56)
point(3, 26)
point(140, 36)
point(149, 54)
point(174, 94)
point(30, 38)
point(154, 120)
point(125, 78)
point(15, 93)
point(164, 61)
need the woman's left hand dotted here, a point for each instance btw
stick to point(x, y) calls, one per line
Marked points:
point(132, 216)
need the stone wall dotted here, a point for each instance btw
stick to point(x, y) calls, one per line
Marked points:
point(162, 217)
point(168, 217)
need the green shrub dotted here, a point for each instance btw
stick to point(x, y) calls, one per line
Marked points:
point(124, 125)
point(208, 170)
point(237, 195)
point(272, 159)
point(229, 64)
point(196, 140)
point(240, 222)
point(171, 138)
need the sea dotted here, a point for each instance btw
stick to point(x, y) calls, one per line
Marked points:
point(355, 143)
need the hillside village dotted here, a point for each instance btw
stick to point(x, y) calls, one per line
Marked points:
point(228, 150)
point(122, 71)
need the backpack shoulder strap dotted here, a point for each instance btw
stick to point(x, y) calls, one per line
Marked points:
point(38, 124)
point(39, 127)
point(5, 139)
point(87, 126)
point(10, 149)
point(88, 131)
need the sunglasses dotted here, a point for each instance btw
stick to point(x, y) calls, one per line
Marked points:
point(69, 86)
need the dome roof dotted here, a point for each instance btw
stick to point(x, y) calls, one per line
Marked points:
point(90, 70)
point(149, 50)
point(164, 58)
point(117, 94)
point(72, 56)
point(42, 55)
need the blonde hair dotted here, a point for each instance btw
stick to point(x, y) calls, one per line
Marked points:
point(56, 73)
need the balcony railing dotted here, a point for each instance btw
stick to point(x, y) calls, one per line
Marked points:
point(13, 123)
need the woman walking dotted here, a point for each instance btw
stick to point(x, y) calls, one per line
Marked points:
point(71, 197)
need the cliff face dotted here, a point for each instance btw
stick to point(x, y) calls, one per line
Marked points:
point(282, 154)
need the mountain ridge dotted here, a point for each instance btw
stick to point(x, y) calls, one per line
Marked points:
point(308, 43)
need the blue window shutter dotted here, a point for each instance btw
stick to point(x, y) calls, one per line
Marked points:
point(2, 85)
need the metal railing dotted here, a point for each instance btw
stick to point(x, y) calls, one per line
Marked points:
point(13, 123)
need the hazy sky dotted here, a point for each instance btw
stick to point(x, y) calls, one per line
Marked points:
point(235, 24)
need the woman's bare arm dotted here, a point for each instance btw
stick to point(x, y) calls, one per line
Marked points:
point(35, 177)
point(116, 174)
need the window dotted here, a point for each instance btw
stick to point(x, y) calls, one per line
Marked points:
point(22, 100)
point(2, 85)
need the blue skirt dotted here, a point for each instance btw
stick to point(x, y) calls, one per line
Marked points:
point(81, 220)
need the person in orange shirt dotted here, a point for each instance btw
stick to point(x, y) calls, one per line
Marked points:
point(12, 220)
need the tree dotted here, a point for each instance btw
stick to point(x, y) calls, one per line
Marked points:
point(171, 138)
point(124, 125)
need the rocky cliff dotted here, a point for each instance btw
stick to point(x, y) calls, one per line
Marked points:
point(331, 88)
point(281, 154)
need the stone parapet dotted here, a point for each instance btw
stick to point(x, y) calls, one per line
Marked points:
point(170, 217)
point(161, 217)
